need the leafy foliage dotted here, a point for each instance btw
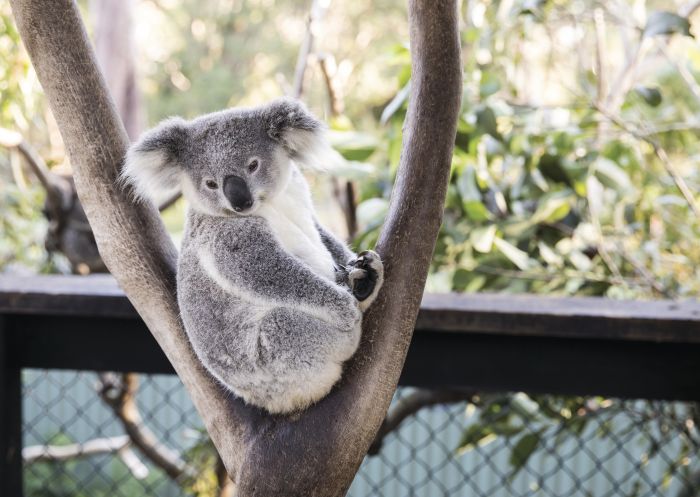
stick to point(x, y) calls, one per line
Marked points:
point(22, 225)
point(577, 197)
point(549, 423)
point(565, 198)
point(22, 106)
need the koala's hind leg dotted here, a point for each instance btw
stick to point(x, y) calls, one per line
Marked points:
point(303, 355)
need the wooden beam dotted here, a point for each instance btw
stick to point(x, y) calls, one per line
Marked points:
point(575, 346)
point(568, 317)
point(554, 365)
point(493, 314)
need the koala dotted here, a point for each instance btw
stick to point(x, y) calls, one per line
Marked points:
point(271, 301)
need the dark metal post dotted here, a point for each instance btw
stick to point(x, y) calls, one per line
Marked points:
point(10, 418)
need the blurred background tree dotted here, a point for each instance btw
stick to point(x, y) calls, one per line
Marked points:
point(574, 171)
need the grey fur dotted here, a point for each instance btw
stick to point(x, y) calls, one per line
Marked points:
point(272, 322)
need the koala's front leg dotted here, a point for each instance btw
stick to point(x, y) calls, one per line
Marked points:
point(365, 277)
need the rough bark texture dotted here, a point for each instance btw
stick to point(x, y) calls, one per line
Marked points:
point(132, 239)
point(318, 452)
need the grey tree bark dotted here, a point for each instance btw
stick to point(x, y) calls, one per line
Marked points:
point(318, 452)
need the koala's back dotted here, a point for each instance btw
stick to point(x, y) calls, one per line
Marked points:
point(232, 324)
point(221, 325)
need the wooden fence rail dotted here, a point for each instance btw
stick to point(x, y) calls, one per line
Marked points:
point(568, 346)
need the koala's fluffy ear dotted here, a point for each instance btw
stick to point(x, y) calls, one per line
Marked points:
point(153, 164)
point(300, 133)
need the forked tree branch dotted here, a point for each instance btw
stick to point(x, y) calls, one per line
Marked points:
point(119, 445)
point(119, 393)
point(107, 445)
point(53, 184)
point(332, 437)
point(410, 405)
point(132, 239)
point(316, 453)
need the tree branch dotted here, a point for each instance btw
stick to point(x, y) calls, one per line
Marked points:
point(315, 13)
point(410, 405)
point(12, 139)
point(38, 453)
point(625, 78)
point(227, 488)
point(318, 452)
point(689, 9)
point(120, 396)
point(113, 37)
point(132, 239)
point(335, 98)
point(683, 71)
point(661, 154)
point(97, 446)
point(337, 432)
point(344, 194)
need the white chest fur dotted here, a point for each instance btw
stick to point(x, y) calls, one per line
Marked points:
point(290, 217)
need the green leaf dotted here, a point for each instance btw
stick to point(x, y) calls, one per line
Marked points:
point(466, 184)
point(595, 195)
point(471, 196)
point(550, 256)
point(531, 7)
point(476, 434)
point(651, 96)
point(372, 211)
point(523, 449)
point(506, 429)
point(662, 22)
point(486, 122)
point(461, 278)
point(573, 285)
point(489, 84)
point(395, 104)
point(612, 175)
point(518, 229)
point(440, 282)
point(476, 210)
point(352, 145)
point(551, 167)
point(580, 260)
point(552, 208)
point(513, 253)
point(524, 405)
point(482, 238)
point(464, 280)
point(352, 169)
point(476, 283)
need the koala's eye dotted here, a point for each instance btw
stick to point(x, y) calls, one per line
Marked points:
point(253, 166)
point(211, 184)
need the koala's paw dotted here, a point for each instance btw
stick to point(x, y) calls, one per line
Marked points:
point(365, 277)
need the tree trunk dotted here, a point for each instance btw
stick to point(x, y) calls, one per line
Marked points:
point(318, 452)
point(116, 54)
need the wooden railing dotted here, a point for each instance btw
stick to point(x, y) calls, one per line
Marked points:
point(571, 346)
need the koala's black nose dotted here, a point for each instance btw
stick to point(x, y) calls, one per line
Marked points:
point(237, 192)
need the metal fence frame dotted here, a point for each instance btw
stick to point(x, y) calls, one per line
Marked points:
point(568, 346)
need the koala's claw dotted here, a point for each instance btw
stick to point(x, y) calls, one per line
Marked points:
point(365, 277)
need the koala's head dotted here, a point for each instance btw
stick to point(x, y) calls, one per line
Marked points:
point(228, 162)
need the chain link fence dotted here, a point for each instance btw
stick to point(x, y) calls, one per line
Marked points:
point(82, 437)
